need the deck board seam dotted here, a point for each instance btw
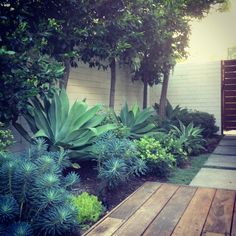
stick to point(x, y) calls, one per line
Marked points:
point(115, 208)
point(208, 212)
point(161, 209)
point(234, 214)
point(138, 208)
point(184, 210)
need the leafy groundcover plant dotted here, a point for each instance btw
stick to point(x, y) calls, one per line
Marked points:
point(89, 208)
point(174, 146)
point(159, 161)
point(34, 196)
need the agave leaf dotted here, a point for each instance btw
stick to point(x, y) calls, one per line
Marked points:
point(135, 109)
point(41, 133)
point(41, 119)
point(124, 114)
point(143, 116)
point(67, 127)
point(89, 114)
point(64, 101)
point(22, 131)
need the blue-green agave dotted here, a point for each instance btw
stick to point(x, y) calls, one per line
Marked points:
point(72, 128)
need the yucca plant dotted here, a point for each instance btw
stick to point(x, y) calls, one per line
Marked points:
point(190, 137)
point(74, 128)
point(34, 196)
point(138, 122)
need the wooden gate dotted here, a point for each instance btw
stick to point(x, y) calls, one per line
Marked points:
point(228, 76)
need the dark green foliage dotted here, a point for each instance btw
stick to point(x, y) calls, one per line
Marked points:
point(6, 137)
point(173, 114)
point(159, 161)
point(190, 137)
point(203, 120)
point(34, 193)
point(117, 160)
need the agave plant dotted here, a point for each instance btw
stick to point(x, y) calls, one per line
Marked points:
point(190, 137)
point(138, 122)
point(72, 128)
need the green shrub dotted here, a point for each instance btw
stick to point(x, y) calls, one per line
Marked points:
point(173, 146)
point(190, 137)
point(173, 114)
point(159, 161)
point(6, 137)
point(117, 160)
point(34, 196)
point(203, 120)
point(74, 129)
point(89, 208)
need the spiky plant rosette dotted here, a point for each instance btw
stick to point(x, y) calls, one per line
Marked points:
point(34, 193)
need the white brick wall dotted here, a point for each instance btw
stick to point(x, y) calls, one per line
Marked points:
point(195, 86)
point(94, 85)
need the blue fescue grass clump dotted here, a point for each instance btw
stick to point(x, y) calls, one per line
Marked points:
point(34, 195)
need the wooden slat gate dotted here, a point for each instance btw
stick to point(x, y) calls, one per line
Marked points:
point(228, 75)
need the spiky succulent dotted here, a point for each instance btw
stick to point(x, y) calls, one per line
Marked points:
point(33, 193)
point(117, 160)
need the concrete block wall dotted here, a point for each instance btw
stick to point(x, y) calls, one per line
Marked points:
point(94, 85)
point(195, 86)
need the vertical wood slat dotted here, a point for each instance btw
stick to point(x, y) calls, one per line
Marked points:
point(228, 92)
point(194, 217)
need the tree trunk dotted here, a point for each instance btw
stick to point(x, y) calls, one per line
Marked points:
point(64, 81)
point(163, 98)
point(113, 84)
point(145, 94)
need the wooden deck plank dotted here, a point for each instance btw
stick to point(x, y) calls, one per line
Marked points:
point(146, 187)
point(221, 213)
point(140, 220)
point(166, 221)
point(193, 219)
point(212, 234)
point(134, 202)
point(106, 228)
point(233, 228)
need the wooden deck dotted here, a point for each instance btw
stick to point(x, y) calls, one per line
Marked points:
point(157, 209)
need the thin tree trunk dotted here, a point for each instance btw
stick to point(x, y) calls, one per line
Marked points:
point(64, 82)
point(145, 93)
point(113, 84)
point(163, 98)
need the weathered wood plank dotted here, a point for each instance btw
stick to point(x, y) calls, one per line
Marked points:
point(195, 215)
point(107, 227)
point(134, 202)
point(221, 212)
point(166, 221)
point(146, 185)
point(233, 228)
point(140, 220)
point(212, 234)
